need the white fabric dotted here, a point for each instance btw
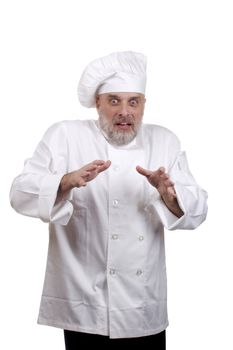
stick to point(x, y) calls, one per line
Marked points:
point(117, 72)
point(106, 270)
point(123, 82)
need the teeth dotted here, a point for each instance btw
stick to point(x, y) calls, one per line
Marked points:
point(123, 124)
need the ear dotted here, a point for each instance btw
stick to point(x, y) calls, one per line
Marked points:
point(97, 101)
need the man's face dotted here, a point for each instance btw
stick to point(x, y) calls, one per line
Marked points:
point(120, 115)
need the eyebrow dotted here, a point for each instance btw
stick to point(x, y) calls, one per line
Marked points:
point(135, 98)
point(118, 97)
point(113, 96)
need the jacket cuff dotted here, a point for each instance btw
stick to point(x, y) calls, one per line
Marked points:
point(192, 201)
point(168, 219)
point(51, 210)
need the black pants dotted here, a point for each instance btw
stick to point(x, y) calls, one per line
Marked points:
point(76, 340)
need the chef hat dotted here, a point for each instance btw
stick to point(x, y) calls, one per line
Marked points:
point(117, 72)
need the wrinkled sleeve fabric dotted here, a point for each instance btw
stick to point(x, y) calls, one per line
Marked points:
point(191, 197)
point(34, 191)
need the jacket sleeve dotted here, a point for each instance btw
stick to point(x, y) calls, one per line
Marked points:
point(191, 197)
point(34, 191)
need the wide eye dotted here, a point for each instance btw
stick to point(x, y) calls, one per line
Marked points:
point(133, 103)
point(114, 101)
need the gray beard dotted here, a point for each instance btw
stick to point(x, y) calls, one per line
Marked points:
point(118, 138)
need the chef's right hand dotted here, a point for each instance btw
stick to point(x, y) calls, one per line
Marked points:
point(79, 178)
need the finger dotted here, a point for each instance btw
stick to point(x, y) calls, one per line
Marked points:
point(161, 170)
point(104, 167)
point(163, 176)
point(143, 171)
point(168, 183)
point(90, 167)
point(98, 162)
point(86, 176)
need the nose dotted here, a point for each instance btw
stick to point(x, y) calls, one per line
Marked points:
point(123, 110)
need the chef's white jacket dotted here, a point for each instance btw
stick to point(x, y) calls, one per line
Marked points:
point(106, 271)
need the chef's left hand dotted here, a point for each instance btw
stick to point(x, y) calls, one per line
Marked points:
point(160, 180)
point(165, 186)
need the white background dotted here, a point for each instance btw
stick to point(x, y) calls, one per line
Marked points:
point(45, 45)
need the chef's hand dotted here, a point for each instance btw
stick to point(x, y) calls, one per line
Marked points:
point(85, 174)
point(162, 182)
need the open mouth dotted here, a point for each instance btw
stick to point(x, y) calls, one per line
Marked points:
point(123, 125)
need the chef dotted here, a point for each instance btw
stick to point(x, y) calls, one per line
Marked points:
point(108, 188)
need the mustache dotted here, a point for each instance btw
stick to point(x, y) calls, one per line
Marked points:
point(129, 119)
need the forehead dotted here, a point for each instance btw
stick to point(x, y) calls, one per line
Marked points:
point(122, 95)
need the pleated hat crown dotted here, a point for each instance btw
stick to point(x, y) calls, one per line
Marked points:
point(117, 72)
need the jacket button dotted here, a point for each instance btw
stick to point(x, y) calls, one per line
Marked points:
point(139, 272)
point(141, 238)
point(115, 236)
point(116, 167)
point(112, 272)
point(115, 202)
